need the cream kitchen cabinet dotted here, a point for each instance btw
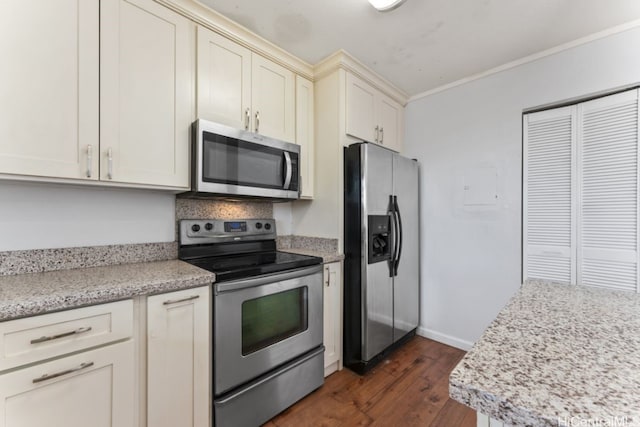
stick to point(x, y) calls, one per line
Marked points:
point(305, 135)
point(332, 317)
point(49, 88)
point(147, 67)
point(242, 89)
point(71, 368)
point(94, 388)
point(372, 116)
point(178, 359)
point(109, 98)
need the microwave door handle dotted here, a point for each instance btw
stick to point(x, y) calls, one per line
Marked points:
point(288, 170)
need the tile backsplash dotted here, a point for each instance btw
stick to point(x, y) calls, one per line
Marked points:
point(219, 209)
point(41, 260)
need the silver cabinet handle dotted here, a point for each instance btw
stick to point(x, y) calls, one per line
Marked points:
point(328, 282)
point(110, 163)
point(377, 133)
point(58, 336)
point(381, 135)
point(247, 117)
point(175, 301)
point(89, 160)
point(257, 121)
point(46, 377)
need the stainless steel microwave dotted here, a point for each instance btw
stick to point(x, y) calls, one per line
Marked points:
point(233, 163)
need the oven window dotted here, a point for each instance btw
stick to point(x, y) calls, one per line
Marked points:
point(272, 318)
point(230, 161)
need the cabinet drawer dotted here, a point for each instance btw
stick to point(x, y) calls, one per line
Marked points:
point(92, 388)
point(41, 337)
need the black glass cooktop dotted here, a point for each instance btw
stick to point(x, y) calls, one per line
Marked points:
point(232, 267)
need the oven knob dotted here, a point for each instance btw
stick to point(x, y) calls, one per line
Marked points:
point(267, 226)
point(195, 228)
point(258, 225)
point(208, 226)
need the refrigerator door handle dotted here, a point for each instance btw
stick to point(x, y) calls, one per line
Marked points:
point(395, 233)
point(396, 209)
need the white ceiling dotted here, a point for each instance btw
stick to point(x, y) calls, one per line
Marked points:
point(426, 43)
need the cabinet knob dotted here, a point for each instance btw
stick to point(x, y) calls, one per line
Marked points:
point(257, 121)
point(381, 135)
point(247, 118)
point(377, 133)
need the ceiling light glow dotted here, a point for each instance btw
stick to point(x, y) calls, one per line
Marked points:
point(385, 5)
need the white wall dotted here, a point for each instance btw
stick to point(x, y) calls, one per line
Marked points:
point(282, 215)
point(471, 256)
point(38, 216)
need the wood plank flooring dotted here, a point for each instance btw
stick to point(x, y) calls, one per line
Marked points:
point(409, 388)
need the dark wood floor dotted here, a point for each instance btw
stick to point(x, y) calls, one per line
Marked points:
point(409, 388)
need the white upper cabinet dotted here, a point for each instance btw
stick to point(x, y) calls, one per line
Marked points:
point(372, 116)
point(109, 96)
point(49, 94)
point(391, 118)
point(361, 109)
point(305, 134)
point(242, 89)
point(273, 99)
point(224, 80)
point(146, 103)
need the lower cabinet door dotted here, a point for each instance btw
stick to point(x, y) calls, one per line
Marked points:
point(93, 388)
point(332, 318)
point(178, 362)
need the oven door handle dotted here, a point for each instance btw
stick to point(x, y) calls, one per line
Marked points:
point(288, 171)
point(263, 280)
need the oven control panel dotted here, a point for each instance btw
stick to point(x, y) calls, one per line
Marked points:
point(199, 231)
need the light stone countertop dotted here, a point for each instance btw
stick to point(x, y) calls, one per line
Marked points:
point(327, 257)
point(37, 293)
point(557, 355)
point(321, 247)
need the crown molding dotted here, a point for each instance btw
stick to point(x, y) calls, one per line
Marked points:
point(209, 18)
point(343, 60)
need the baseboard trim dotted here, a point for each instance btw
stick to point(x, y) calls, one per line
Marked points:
point(444, 338)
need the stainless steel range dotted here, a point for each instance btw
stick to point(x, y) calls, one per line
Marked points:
point(267, 318)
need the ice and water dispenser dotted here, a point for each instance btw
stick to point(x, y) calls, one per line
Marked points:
point(379, 238)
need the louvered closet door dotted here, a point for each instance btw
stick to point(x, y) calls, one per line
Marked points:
point(608, 198)
point(549, 204)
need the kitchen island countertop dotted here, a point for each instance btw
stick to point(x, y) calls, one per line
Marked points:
point(38, 293)
point(557, 354)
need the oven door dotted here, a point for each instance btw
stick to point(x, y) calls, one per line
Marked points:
point(264, 322)
point(237, 162)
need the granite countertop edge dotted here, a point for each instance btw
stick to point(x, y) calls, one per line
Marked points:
point(32, 294)
point(327, 257)
point(477, 380)
point(496, 407)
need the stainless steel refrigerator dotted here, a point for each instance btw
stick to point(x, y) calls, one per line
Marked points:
point(381, 237)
